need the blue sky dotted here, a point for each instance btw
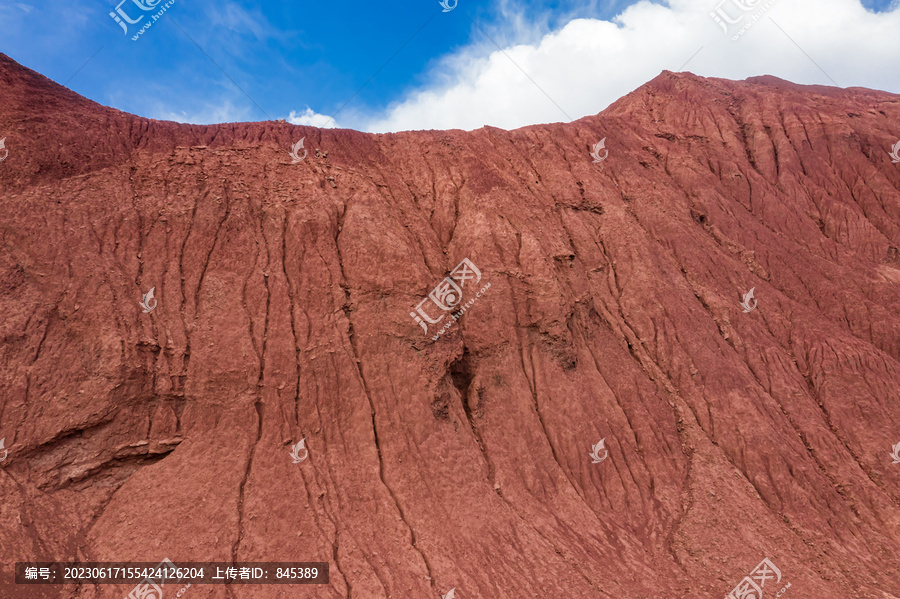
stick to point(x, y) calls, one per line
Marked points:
point(290, 56)
point(287, 55)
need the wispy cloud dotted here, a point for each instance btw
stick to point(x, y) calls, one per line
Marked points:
point(224, 112)
point(237, 19)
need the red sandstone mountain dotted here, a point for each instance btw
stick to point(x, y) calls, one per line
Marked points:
point(284, 296)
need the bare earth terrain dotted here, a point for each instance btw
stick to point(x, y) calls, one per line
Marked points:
point(283, 293)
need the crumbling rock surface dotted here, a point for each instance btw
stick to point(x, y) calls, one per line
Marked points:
point(285, 292)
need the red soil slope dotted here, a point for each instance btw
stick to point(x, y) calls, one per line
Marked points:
point(284, 297)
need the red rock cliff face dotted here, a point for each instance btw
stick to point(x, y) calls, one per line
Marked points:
point(284, 296)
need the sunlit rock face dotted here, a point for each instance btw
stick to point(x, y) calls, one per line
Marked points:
point(451, 322)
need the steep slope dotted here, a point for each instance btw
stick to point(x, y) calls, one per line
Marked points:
point(285, 292)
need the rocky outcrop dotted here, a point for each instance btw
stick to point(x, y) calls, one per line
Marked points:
point(609, 308)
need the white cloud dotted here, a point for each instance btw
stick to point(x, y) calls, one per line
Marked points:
point(313, 119)
point(589, 63)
